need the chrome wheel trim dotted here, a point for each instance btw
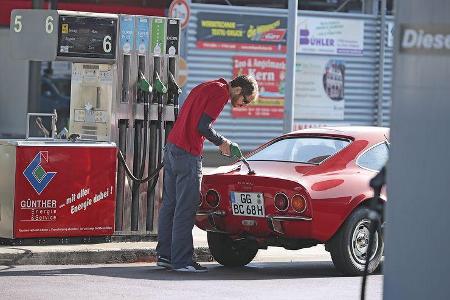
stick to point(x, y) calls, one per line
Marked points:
point(359, 242)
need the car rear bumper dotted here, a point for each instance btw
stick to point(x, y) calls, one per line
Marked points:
point(270, 225)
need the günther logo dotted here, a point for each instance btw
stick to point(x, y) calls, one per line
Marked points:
point(35, 173)
point(425, 39)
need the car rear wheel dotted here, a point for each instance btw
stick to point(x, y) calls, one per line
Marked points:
point(349, 246)
point(231, 253)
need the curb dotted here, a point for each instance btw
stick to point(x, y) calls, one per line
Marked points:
point(201, 254)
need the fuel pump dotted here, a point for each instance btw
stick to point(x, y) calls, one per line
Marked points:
point(123, 114)
point(123, 91)
point(141, 117)
point(172, 56)
point(158, 39)
point(69, 186)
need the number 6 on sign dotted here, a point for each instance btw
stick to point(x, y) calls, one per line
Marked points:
point(49, 24)
point(107, 44)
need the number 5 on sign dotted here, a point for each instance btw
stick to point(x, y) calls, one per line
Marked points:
point(18, 23)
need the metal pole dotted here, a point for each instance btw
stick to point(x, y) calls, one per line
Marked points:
point(381, 64)
point(49, 70)
point(184, 55)
point(34, 76)
point(290, 66)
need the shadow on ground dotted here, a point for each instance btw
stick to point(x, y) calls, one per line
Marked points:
point(254, 271)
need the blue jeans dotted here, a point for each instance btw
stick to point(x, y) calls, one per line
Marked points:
point(181, 197)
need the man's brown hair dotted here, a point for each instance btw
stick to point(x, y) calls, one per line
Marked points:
point(247, 83)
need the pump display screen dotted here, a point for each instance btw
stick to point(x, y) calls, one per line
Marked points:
point(87, 37)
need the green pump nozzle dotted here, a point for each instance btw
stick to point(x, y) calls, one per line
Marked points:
point(236, 152)
point(143, 84)
point(159, 85)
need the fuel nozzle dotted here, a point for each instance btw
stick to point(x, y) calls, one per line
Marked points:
point(236, 152)
point(159, 85)
point(143, 84)
point(173, 85)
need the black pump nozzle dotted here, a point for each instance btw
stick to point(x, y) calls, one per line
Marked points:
point(173, 85)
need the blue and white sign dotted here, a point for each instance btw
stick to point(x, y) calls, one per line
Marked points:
point(143, 36)
point(35, 173)
point(126, 33)
point(330, 36)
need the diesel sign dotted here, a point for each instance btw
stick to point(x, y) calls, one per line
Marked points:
point(427, 39)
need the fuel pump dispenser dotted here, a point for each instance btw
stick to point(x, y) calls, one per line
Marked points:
point(150, 111)
point(124, 118)
point(172, 56)
point(57, 188)
point(141, 118)
point(123, 90)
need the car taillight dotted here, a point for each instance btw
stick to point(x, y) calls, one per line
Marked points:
point(298, 203)
point(281, 201)
point(212, 198)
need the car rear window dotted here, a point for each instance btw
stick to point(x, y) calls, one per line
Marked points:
point(312, 150)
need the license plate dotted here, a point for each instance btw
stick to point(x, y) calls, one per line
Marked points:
point(247, 204)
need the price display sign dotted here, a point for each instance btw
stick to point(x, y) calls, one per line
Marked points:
point(46, 35)
point(87, 37)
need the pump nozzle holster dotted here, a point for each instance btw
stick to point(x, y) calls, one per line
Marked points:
point(173, 85)
point(143, 84)
point(159, 85)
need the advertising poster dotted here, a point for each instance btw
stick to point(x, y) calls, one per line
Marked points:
point(320, 89)
point(241, 32)
point(64, 191)
point(330, 36)
point(270, 73)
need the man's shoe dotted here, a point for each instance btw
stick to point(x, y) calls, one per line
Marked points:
point(193, 268)
point(164, 262)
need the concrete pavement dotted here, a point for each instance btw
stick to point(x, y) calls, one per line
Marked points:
point(131, 252)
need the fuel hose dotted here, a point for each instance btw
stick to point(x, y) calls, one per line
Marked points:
point(134, 178)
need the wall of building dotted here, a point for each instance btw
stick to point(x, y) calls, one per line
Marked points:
point(361, 80)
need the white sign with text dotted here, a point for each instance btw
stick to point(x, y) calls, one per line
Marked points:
point(330, 36)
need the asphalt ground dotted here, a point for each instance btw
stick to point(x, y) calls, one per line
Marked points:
point(259, 280)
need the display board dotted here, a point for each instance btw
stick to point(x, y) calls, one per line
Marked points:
point(47, 35)
point(88, 37)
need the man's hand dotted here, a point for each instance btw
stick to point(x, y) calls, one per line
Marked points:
point(225, 147)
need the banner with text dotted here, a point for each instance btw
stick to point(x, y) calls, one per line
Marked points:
point(241, 32)
point(319, 89)
point(270, 73)
point(64, 191)
point(330, 36)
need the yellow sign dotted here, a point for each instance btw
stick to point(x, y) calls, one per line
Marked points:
point(65, 28)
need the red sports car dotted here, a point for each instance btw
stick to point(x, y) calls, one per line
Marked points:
point(304, 188)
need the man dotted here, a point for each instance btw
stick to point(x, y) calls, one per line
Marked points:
point(183, 165)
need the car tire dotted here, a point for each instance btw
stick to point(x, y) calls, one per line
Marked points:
point(349, 245)
point(230, 253)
